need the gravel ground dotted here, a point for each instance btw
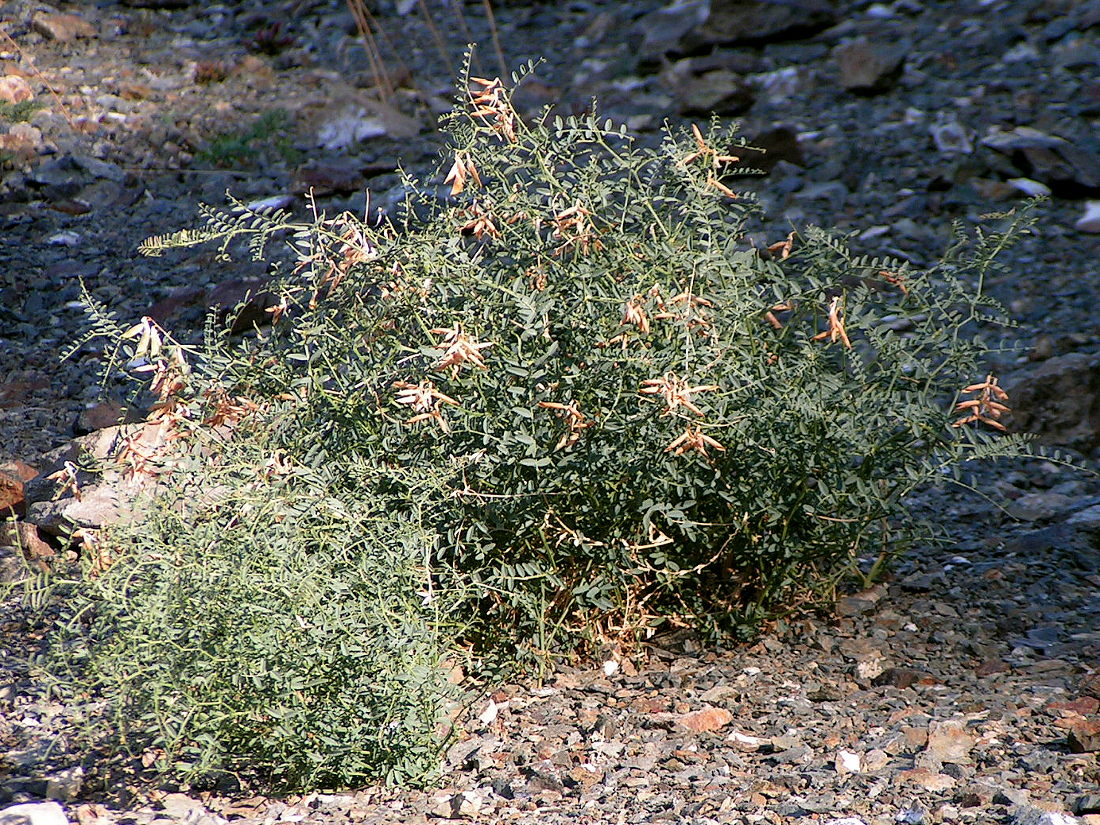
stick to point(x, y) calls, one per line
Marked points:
point(966, 688)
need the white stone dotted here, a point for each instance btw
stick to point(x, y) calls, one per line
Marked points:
point(1090, 221)
point(34, 813)
point(1031, 188)
point(489, 715)
point(846, 762)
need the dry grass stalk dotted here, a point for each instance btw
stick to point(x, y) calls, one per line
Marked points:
point(440, 46)
point(365, 23)
point(496, 36)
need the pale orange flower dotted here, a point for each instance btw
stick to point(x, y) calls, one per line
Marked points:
point(836, 325)
point(987, 407)
point(675, 392)
point(693, 439)
point(461, 350)
point(424, 399)
point(574, 418)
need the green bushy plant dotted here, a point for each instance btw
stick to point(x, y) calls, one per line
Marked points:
point(259, 624)
point(630, 417)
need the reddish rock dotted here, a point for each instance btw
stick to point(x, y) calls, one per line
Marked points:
point(1083, 706)
point(991, 666)
point(14, 89)
point(1084, 734)
point(705, 720)
point(13, 475)
point(26, 537)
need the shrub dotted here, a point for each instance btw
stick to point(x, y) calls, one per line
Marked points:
point(256, 624)
point(599, 410)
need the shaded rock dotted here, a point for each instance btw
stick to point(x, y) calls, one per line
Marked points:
point(62, 27)
point(1065, 167)
point(761, 21)
point(869, 66)
point(1083, 735)
point(327, 179)
point(25, 538)
point(248, 298)
point(768, 148)
point(1059, 401)
point(14, 89)
point(720, 92)
point(663, 31)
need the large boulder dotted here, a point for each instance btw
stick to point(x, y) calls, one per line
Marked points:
point(1059, 401)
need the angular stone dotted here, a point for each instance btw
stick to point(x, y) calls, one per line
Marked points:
point(927, 779)
point(1090, 221)
point(705, 720)
point(14, 89)
point(1037, 816)
point(761, 21)
point(33, 813)
point(948, 741)
point(1059, 401)
point(25, 536)
point(868, 66)
point(721, 92)
point(1066, 168)
point(62, 27)
point(1084, 734)
point(664, 30)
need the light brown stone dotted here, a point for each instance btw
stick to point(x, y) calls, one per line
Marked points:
point(62, 27)
point(14, 89)
point(705, 720)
